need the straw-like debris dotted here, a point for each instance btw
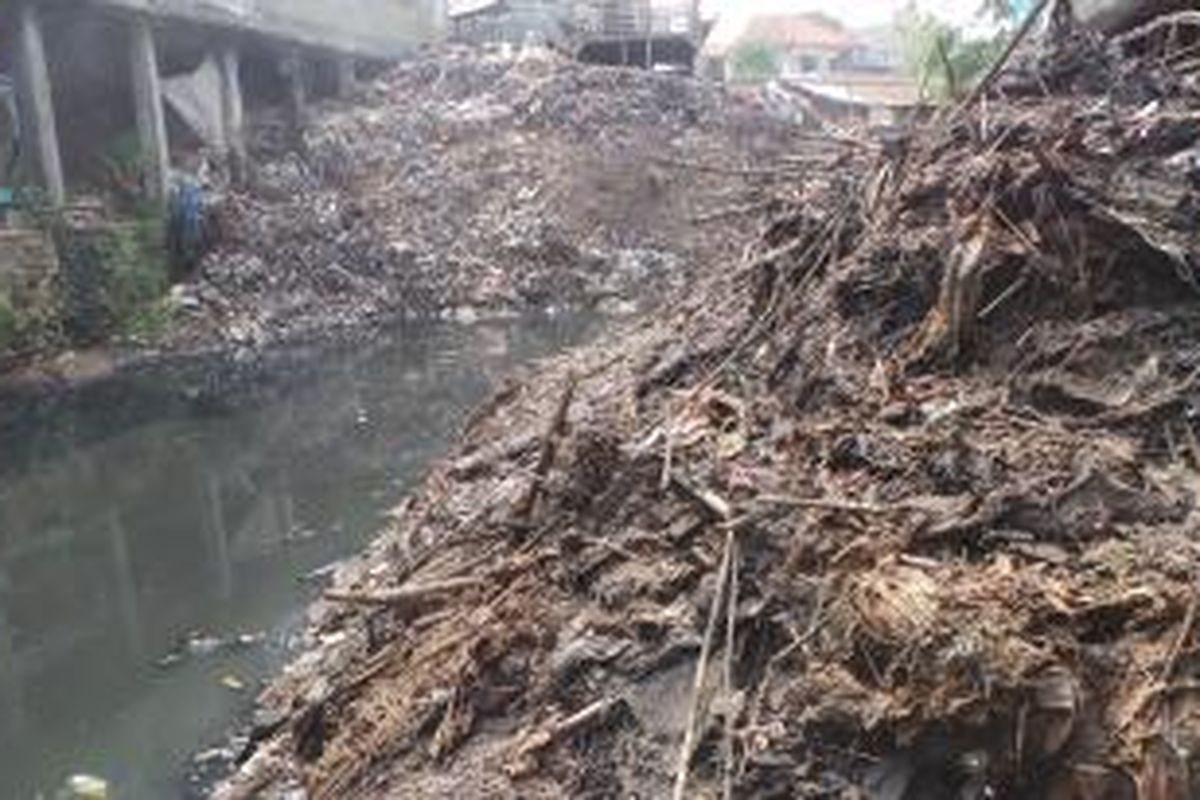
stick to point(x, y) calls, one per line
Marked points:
point(902, 506)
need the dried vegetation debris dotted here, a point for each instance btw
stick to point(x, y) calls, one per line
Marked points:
point(472, 182)
point(904, 507)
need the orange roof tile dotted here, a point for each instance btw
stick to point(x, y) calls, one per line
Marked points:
point(811, 30)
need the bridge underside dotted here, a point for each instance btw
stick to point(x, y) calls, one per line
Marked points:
point(366, 28)
point(92, 76)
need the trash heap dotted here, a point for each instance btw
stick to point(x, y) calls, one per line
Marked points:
point(901, 504)
point(472, 184)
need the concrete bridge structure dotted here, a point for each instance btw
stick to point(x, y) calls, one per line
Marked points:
point(72, 56)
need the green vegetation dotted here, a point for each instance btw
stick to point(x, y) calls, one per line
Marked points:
point(942, 58)
point(27, 321)
point(122, 162)
point(115, 277)
point(10, 327)
point(755, 61)
point(147, 321)
point(137, 265)
point(112, 282)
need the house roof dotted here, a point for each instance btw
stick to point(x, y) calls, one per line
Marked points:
point(812, 30)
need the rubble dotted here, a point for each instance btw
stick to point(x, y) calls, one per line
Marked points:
point(467, 185)
point(899, 504)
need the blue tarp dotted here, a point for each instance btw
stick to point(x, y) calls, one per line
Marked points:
point(1021, 8)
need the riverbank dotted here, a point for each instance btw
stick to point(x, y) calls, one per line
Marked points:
point(466, 186)
point(902, 502)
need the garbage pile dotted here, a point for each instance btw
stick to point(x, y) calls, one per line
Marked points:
point(901, 504)
point(481, 184)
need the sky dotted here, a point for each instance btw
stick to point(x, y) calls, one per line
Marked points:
point(855, 13)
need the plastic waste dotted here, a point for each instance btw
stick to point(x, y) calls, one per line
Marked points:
point(233, 683)
point(85, 787)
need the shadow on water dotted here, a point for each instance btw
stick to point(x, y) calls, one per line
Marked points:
point(157, 507)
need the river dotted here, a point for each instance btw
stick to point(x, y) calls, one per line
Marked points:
point(156, 532)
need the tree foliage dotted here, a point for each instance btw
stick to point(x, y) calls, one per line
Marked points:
point(755, 61)
point(943, 58)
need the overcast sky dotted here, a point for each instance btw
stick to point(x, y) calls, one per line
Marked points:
point(853, 12)
point(856, 13)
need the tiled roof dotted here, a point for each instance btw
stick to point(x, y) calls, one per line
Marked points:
point(812, 30)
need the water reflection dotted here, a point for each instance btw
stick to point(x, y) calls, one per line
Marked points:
point(179, 520)
point(126, 584)
point(12, 707)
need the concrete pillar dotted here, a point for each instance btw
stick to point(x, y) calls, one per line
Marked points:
point(233, 112)
point(346, 78)
point(151, 120)
point(442, 25)
point(37, 105)
point(292, 68)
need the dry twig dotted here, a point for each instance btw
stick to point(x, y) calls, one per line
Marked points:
point(709, 501)
point(743, 210)
point(404, 595)
point(525, 505)
point(1185, 631)
point(730, 640)
point(710, 630)
point(827, 504)
point(1158, 23)
point(523, 757)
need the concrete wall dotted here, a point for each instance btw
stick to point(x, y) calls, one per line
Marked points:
point(378, 28)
